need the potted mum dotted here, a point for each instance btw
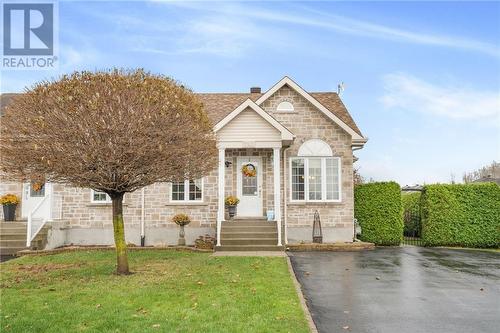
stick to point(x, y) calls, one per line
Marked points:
point(181, 220)
point(231, 203)
point(9, 203)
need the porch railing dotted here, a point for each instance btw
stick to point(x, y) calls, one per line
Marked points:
point(49, 208)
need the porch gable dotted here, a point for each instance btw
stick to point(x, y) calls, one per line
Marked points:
point(249, 126)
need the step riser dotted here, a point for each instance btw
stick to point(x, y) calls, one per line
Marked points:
point(12, 236)
point(249, 235)
point(249, 229)
point(12, 224)
point(11, 251)
point(248, 223)
point(12, 243)
point(12, 229)
point(15, 234)
point(249, 241)
point(249, 248)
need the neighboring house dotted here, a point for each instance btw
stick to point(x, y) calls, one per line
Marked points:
point(413, 188)
point(301, 144)
point(488, 179)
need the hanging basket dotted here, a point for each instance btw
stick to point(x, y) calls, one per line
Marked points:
point(249, 170)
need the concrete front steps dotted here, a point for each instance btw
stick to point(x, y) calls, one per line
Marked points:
point(13, 238)
point(249, 234)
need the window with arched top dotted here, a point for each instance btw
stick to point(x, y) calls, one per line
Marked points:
point(285, 106)
point(315, 175)
point(315, 147)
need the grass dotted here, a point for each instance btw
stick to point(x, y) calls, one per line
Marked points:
point(169, 291)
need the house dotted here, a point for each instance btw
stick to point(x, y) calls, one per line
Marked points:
point(300, 144)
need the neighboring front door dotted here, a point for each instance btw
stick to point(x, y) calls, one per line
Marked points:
point(249, 187)
point(32, 196)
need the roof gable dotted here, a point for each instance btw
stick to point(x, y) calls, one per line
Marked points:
point(346, 123)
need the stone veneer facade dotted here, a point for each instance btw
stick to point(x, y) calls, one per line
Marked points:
point(83, 222)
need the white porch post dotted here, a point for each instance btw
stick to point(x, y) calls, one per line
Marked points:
point(277, 190)
point(220, 210)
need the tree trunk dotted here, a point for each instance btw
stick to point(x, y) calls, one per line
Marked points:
point(119, 232)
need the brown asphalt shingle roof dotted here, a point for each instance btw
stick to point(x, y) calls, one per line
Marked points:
point(219, 105)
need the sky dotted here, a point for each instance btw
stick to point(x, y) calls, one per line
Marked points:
point(422, 79)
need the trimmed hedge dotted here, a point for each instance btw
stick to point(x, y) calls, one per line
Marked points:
point(465, 215)
point(411, 206)
point(377, 206)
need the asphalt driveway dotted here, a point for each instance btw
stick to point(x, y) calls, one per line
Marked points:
point(404, 289)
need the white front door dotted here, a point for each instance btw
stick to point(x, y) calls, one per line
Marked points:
point(32, 196)
point(249, 187)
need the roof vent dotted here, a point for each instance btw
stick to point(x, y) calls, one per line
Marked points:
point(255, 90)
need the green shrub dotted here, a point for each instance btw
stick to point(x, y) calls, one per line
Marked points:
point(465, 215)
point(377, 206)
point(411, 209)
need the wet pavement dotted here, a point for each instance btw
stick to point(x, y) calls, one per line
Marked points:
point(403, 289)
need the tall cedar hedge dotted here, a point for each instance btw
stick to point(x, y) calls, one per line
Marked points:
point(461, 215)
point(378, 209)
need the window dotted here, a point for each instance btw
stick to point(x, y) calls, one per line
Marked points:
point(315, 174)
point(187, 190)
point(99, 197)
point(298, 179)
point(285, 106)
point(315, 179)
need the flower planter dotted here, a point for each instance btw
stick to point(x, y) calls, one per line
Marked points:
point(9, 212)
point(182, 240)
point(231, 210)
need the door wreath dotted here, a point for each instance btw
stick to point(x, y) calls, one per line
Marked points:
point(249, 170)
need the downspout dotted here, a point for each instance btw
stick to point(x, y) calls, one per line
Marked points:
point(143, 236)
point(285, 192)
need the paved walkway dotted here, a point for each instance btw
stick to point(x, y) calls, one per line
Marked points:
point(403, 289)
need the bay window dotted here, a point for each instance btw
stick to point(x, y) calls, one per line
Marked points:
point(187, 190)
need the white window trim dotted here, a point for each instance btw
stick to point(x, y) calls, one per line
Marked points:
point(107, 201)
point(285, 110)
point(186, 193)
point(323, 178)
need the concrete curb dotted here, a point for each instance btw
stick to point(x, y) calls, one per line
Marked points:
point(298, 288)
point(100, 248)
point(355, 246)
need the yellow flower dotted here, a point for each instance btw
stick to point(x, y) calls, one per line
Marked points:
point(9, 199)
point(232, 200)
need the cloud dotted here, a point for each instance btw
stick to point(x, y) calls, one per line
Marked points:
point(345, 25)
point(404, 91)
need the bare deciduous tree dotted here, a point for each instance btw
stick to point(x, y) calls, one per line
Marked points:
point(357, 178)
point(113, 131)
point(489, 171)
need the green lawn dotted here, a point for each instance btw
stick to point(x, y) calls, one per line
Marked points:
point(169, 292)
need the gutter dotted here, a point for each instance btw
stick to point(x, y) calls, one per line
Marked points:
point(143, 237)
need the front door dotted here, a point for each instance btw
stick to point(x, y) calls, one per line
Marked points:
point(249, 177)
point(33, 194)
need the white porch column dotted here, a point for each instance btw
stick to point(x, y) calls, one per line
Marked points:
point(277, 190)
point(221, 180)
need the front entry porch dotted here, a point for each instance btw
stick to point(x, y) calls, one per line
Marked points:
point(254, 176)
point(250, 136)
